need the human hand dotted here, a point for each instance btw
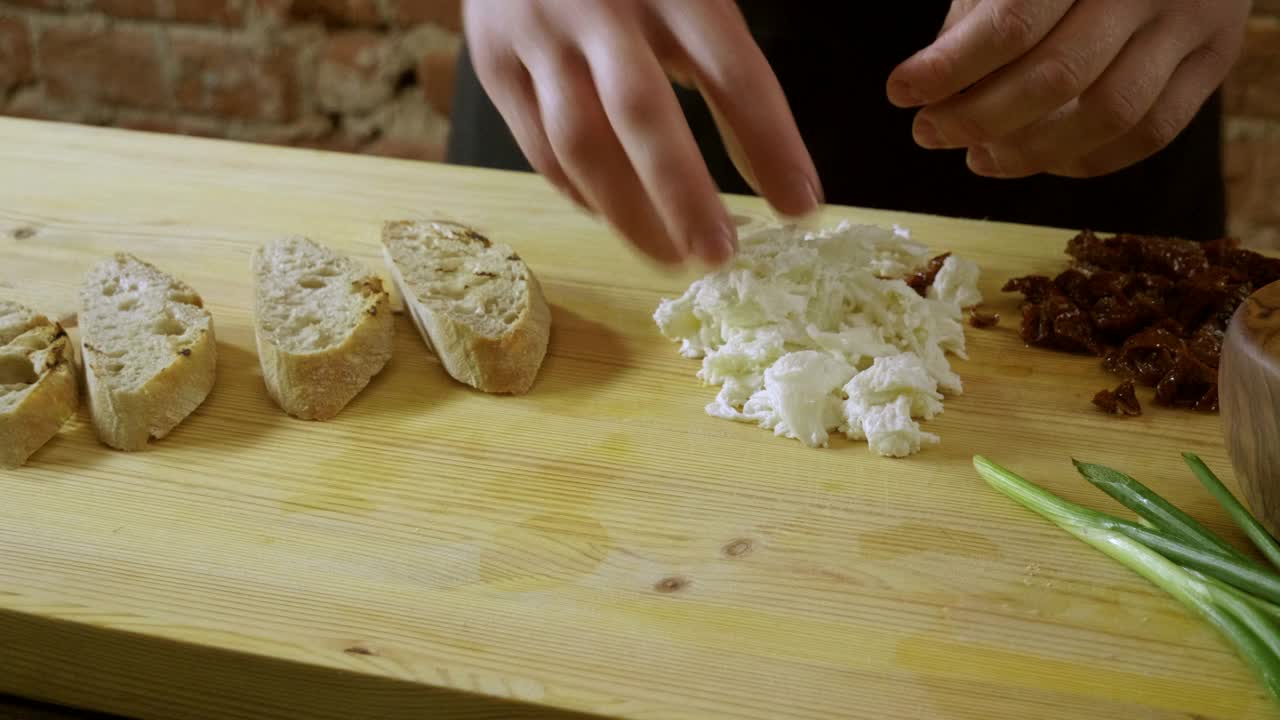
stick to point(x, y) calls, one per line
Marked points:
point(1077, 88)
point(583, 85)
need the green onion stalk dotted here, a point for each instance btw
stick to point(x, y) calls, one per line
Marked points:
point(1232, 593)
point(1252, 528)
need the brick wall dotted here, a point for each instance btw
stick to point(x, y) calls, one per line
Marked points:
point(1253, 132)
point(375, 76)
point(371, 76)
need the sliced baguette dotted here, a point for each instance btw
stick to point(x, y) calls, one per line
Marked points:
point(475, 302)
point(38, 385)
point(149, 352)
point(323, 325)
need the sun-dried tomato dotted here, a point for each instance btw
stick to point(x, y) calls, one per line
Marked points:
point(922, 279)
point(1121, 401)
point(1154, 308)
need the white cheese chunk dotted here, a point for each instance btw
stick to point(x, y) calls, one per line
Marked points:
point(789, 326)
point(890, 431)
point(889, 378)
point(957, 283)
point(799, 397)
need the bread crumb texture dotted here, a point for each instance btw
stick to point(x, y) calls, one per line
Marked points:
point(308, 297)
point(136, 319)
point(459, 272)
point(38, 386)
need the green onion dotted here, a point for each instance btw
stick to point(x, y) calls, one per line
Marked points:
point(1246, 576)
point(1254, 641)
point(1176, 535)
point(1270, 610)
point(1258, 534)
point(1249, 631)
point(1242, 573)
point(1156, 510)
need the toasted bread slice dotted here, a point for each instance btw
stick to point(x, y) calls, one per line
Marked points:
point(475, 302)
point(38, 385)
point(149, 352)
point(323, 325)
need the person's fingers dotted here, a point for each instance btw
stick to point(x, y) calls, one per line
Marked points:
point(747, 102)
point(733, 146)
point(958, 10)
point(509, 86)
point(648, 121)
point(1191, 85)
point(523, 116)
point(1111, 107)
point(994, 34)
point(591, 155)
point(1068, 61)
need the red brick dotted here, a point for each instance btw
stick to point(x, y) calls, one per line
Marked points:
point(436, 76)
point(445, 13)
point(362, 51)
point(91, 62)
point(280, 134)
point(207, 12)
point(332, 142)
point(148, 123)
point(268, 12)
point(56, 5)
point(360, 13)
point(202, 12)
point(216, 75)
point(15, 52)
point(387, 147)
point(33, 104)
point(1254, 85)
point(136, 9)
point(202, 127)
point(358, 71)
point(169, 123)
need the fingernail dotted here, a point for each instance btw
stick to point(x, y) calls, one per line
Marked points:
point(927, 135)
point(803, 198)
point(903, 95)
point(719, 245)
point(575, 197)
point(582, 205)
point(808, 195)
point(982, 162)
point(815, 193)
point(731, 236)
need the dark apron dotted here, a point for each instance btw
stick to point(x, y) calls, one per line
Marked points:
point(833, 64)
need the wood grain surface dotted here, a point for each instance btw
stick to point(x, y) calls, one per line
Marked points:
point(599, 546)
point(1249, 388)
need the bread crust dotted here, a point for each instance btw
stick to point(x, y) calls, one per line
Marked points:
point(52, 399)
point(506, 364)
point(129, 419)
point(318, 385)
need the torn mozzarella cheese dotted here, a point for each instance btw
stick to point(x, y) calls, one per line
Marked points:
point(807, 332)
point(956, 283)
point(890, 378)
point(890, 431)
point(799, 397)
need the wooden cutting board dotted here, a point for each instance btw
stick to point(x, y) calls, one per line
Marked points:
point(600, 546)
